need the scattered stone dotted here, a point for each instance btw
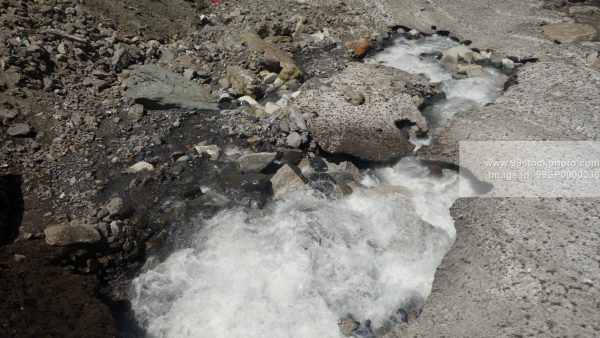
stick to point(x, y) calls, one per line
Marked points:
point(140, 166)
point(249, 100)
point(64, 235)
point(242, 81)
point(294, 140)
point(114, 206)
point(270, 78)
point(189, 74)
point(288, 179)
point(20, 258)
point(211, 151)
point(272, 54)
point(19, 129)
point(569, 32)
point(156, 87)
point(360, 47)
point(255, 163)
point(271, 108)
point(136, 112)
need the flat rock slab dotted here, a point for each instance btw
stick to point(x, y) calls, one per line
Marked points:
point(64, 235)
point(569, 32)
point(19, 129)
point(368, 130)
point(255, 163)
point(158, 88)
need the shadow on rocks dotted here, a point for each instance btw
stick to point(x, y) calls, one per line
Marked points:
point(11, 207)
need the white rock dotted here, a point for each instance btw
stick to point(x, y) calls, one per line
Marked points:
point(294, 140)
point(249, 100)
point(212, 151)
point(271, 108)
point(140, 166)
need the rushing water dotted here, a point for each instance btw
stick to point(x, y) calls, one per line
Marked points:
point(297, 267)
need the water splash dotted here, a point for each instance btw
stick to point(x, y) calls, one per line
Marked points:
point(296, 268)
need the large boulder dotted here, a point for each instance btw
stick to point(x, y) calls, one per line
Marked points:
point(569, 32)
point(373, 130)
point(157, 87)
point(64, 235)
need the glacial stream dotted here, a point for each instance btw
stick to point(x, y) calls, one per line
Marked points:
point(298, 266)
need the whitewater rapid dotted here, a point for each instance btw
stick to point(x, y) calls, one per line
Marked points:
point(305, 261)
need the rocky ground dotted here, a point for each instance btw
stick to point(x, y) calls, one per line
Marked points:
point(120, 120)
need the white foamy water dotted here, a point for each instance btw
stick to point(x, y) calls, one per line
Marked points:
point(297, 267)
point(461, 95)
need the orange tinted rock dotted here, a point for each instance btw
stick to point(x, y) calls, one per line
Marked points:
point(360, 47)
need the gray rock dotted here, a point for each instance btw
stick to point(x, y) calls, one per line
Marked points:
point(455, 54)
point(255, 163)
point(288, 179)
point(189, 74)
point(368, 131)
point(136, 112)
point(157, 87)
point(297, 118)
point(569, 32)
point(64, 235)
point(211, 151)
point(19, 129)
point(114, 206)
point(294, 140)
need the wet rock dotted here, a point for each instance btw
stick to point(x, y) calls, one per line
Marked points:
point(348, 326)
point(456, 54)
point(350, 168)
point(370, 131)
point(360, 47)
point(157, 87)
point(472, 70)
point(294, 140)
point(288, 179)
point(255, 163)
point(569, 32)
point(64, 235)
point(19, 129)
point(401, 195)
point(140, 166)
